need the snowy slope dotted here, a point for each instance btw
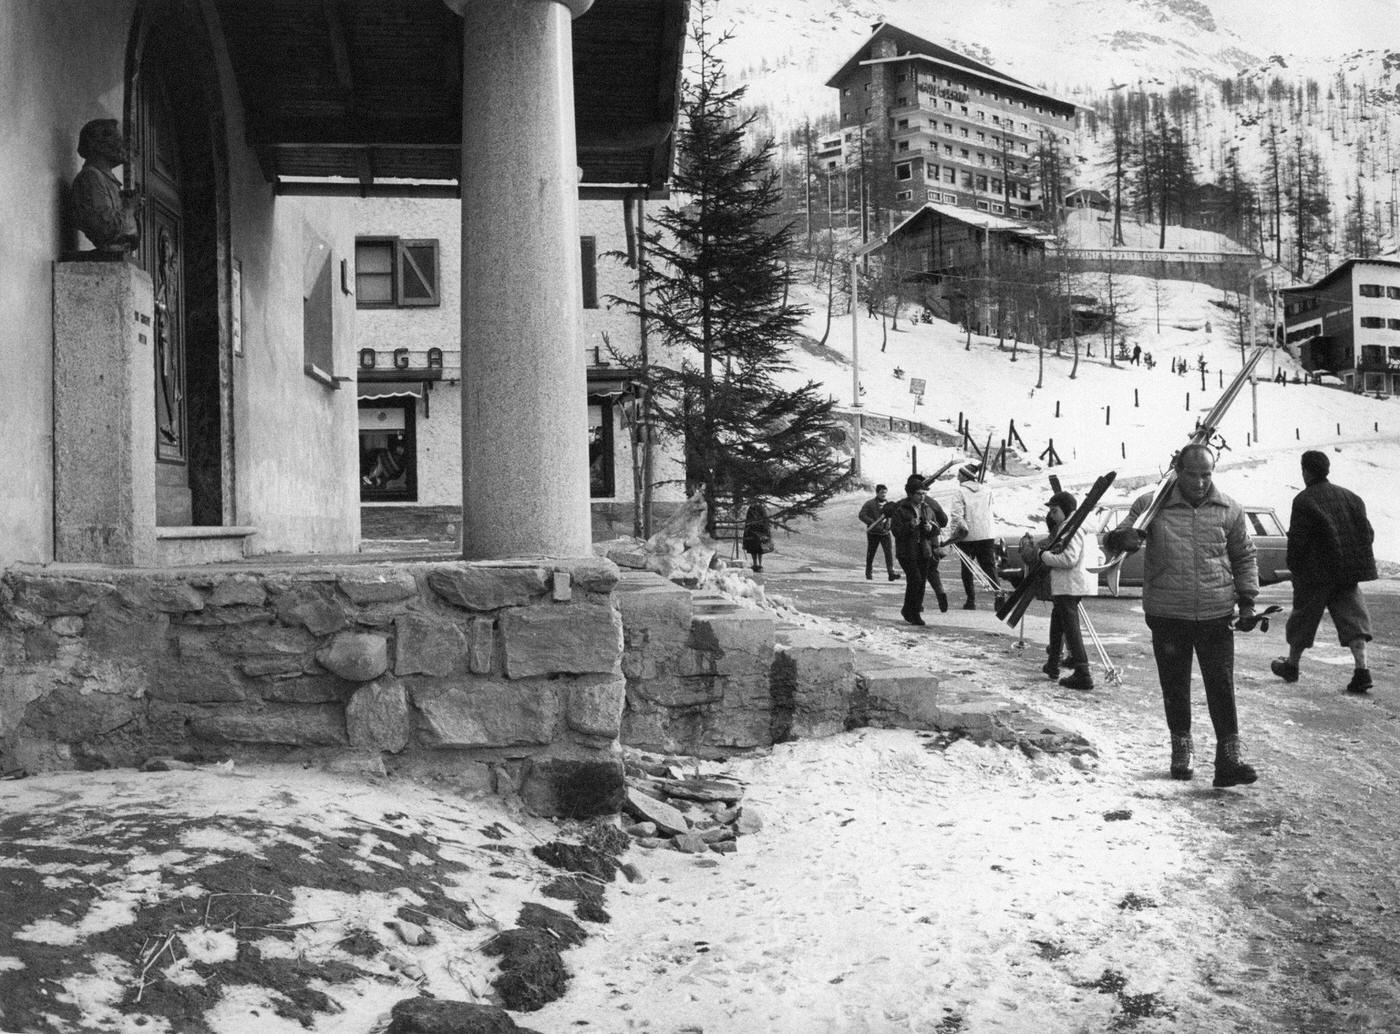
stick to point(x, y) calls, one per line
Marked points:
point(1130, 419)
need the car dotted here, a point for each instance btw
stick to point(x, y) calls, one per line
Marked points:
point(1270, 546)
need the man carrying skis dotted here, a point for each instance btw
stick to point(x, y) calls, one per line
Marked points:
point(915, 521)
point(1329, 553)
point(877, 533)
point(1200, 566)
point(972, 522)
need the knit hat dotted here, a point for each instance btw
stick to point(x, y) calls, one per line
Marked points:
point(1316, 463)
point(915, 482)
point(1065, 501)
point(969, 470)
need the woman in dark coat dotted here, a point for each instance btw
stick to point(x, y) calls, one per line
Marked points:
point(758, 533)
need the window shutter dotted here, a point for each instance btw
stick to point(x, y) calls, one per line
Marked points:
point(588, 248)
point(418, 272)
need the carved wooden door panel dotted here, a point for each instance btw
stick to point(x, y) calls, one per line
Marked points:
point(157, 161)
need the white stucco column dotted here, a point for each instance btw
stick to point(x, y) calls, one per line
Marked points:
point(524, 408)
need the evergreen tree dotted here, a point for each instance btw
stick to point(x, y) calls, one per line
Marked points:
point(717, 279)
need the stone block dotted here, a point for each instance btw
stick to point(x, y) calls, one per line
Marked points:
point(168, 597)
point(481, 646)
point(356, 656)
point(310, 725)
point(237, 590)
point(486, 587)
point(741, 641)
point(425, 644)
point(898, 698)
point(561, 587)
point(377, 716)
point(595, 705)
point(378, 585)
point(199, 672)
point(313, 606)
point(320, 688)
point(589, 574)
point(265, 649)
point(569, 638)
point(674, 691)
point(813, 684)
point(68, 626)
point(113, 628)
point(51, 596)
point(573, 788)
point(484, 712)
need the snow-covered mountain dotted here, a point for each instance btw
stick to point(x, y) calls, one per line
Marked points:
point(785, 50)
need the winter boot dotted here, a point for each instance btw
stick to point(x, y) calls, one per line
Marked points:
point(1229, 769)
point(1360, 681)
point(942, 598)
point(971, 603)
point(1051, 669)
point(1081, 679)
point(894, 576)
point(1183, 754)
point(1284, 669)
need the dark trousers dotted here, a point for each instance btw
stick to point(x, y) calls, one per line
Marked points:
point(1174, 641)
point(876, 542)
point(918, 573)
point(984, 556)
point(1065, 631)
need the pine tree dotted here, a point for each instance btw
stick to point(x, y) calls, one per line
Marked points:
point(718, 284)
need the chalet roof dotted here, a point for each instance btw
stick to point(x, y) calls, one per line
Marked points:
point(908, 45)
point(970, 217)
point(1340, 270)
point(365, 96)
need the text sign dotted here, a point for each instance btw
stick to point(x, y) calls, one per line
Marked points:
point(916, 385)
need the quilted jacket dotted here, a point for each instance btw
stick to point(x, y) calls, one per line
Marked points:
point(1200, 559)
point(1069, 570)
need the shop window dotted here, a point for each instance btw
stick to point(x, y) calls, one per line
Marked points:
point(601, 475)
point(392, 273)
point(388, 455)
point(588, 262)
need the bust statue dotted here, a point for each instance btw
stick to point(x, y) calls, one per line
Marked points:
point(104, 211)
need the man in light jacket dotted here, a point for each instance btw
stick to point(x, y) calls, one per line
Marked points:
point(1200, 566)
point(972, 523)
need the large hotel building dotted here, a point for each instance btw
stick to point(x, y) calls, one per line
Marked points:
point(957, 131)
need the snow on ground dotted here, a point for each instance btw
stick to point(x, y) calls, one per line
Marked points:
point(1129, 419)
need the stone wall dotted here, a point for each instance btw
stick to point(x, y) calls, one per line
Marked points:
point(507, 674)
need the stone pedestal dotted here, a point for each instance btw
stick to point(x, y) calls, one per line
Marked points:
point(103, 414)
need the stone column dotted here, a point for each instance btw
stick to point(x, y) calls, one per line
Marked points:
point(524, 409)
point(103, 414)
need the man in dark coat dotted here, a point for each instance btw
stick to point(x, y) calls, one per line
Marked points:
point(1329, 554)
point(877, 532)
point(915, 521)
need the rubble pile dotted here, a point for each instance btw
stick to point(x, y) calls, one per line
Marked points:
point(686, 811)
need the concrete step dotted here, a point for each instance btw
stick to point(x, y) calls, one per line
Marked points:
point(193, 545)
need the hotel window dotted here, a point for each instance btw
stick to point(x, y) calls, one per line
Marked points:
point(904, 195)
point(393, 273)
point(901, 102)
point(982, 137)
point(998, 209)
point(981, 158)
point(948, 127)
point(1392, 324)
point(1369, 290)
point(1372, 322)
point(962, 132)
point(947, 105)
point(963, 108)
point(950, 175)
point(964, 154)
point(388, 460)
point(966, 181)
point(903, 171)
point(982, 116)
point(1025, 193)
point(982, 183)
point(948, 149)
point(1392, 292)
point(903, 146)
point(932, 195)
point(982, 206)
point(588, 263)
point(996, 186)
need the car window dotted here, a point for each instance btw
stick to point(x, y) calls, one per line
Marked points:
point(1264, 522)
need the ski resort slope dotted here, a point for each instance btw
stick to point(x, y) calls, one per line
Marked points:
point(1130, 419)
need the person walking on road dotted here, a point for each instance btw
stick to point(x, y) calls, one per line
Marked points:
point(1200, 565)
point(877, 533)
point(914, 521)
point(1329, 554)
point(973, 527)
point(758, 533)
point(1070, 580)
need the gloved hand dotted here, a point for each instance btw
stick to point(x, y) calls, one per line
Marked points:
point(1125, 540)
point(1246, 620)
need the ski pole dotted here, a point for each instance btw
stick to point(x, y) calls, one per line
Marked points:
point(1109, 670)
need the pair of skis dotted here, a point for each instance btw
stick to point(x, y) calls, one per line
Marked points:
point(1203, 435)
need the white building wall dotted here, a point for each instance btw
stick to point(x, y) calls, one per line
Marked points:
point(62, 63)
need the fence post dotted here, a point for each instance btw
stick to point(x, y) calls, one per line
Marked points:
point(1135, 398)
point(1107, 415)
point(1057, 409)
point(1123, 449)
point(1188, 402)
